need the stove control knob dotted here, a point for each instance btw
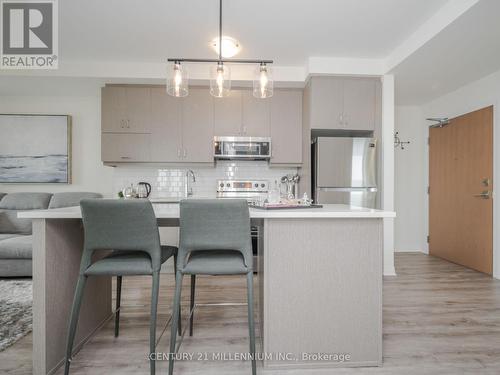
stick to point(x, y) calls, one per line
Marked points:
point(228, 185)
point(256, 185)
point(262, 185)
point(221, 184)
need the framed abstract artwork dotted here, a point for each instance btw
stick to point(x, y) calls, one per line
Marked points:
point(35, 149)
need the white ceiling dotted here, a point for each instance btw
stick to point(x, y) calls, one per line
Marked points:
point(431, 46)
point(466, 50)
point(288, 31)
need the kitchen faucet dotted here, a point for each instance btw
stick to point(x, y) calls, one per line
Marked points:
point(188, 190)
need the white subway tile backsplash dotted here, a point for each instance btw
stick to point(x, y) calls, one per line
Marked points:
point(169, 182)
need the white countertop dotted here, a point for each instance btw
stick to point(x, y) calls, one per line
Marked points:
point(171, 211)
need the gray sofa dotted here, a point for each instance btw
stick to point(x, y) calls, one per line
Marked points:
point(16, 242)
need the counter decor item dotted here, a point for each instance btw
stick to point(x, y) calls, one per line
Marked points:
point(290, 182)
point(129, 192)
point(35, 149)
point(143, 190)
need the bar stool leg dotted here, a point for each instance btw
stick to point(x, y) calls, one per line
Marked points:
point(175, 320)
point(152, 326)
point(118, 304)
point(251, 325)
point(191, 305)
point(179, 330)
point(73, 322)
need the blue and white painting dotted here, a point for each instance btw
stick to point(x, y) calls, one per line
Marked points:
point(35, 149)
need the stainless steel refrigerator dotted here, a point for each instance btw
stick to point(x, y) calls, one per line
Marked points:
point(344, 171)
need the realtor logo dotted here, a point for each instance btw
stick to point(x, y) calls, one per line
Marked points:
point(28, 34)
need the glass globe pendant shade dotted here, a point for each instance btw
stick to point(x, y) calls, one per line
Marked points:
point(263, 84)
point(220, 80)
point(177, 80)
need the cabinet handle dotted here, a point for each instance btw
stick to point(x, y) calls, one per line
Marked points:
point(185, 153)
point(125, 157)
point(341, 119)
point(178, 152)
point(244, 130)
point(122, 124)
point(128, 124)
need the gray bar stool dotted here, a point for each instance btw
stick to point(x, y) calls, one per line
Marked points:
point(128, 228)
point(214, 240)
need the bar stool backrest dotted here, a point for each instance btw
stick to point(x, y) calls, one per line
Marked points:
point(214, 224)
point(120, 225)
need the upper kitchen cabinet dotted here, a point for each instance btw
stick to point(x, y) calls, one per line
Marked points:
point(286, 127)
point(359, 104)
point(241, 115)
point(126, 109)
point(342, 103)
point(125, 148)
point(198, 127)
point(166, 143)
point(256, 116)
point(326, 102)
point(228, 114)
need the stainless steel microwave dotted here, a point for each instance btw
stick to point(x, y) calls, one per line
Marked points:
point(250, 148)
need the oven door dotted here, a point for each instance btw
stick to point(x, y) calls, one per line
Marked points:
point(232, 148)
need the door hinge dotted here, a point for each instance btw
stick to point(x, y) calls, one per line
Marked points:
point(428, 189)
point(428, 141)
point(428, 239)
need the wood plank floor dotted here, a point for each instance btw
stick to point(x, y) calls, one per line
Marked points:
point(439, 318)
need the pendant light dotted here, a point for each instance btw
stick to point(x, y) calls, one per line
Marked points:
point(220, 80)
point(177, 80)
point(263, 85)
point(220, 74)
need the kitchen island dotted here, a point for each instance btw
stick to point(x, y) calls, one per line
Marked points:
point(320, 285)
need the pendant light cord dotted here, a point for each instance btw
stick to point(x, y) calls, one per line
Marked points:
point(220, 30)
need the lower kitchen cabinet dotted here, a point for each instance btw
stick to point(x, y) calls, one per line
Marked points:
point(125, 148)
point(286, 127)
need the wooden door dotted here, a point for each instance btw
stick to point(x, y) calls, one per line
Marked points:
point(286, 127)
point(359, 104)
point(166, 143)
point(228, 114)
point(255, 115)
point(460, 182)
point(198, 127)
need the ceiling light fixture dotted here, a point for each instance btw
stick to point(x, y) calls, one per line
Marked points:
point(230, 46)
point(220, 75)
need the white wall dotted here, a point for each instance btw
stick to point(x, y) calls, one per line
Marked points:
point(88, 172)
point(410, 191)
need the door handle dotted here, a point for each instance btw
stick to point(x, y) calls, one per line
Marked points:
point(485, 195)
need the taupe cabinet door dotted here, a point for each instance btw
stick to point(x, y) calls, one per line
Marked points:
point(240, 114)
point(198, 127)
point(166, 143)
point(228, 114)
point(126, 109)
point(125, 148)
point(359, 104)
point(342, 103)
point(286, 127)
point(326, 102)
point(256, 115)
